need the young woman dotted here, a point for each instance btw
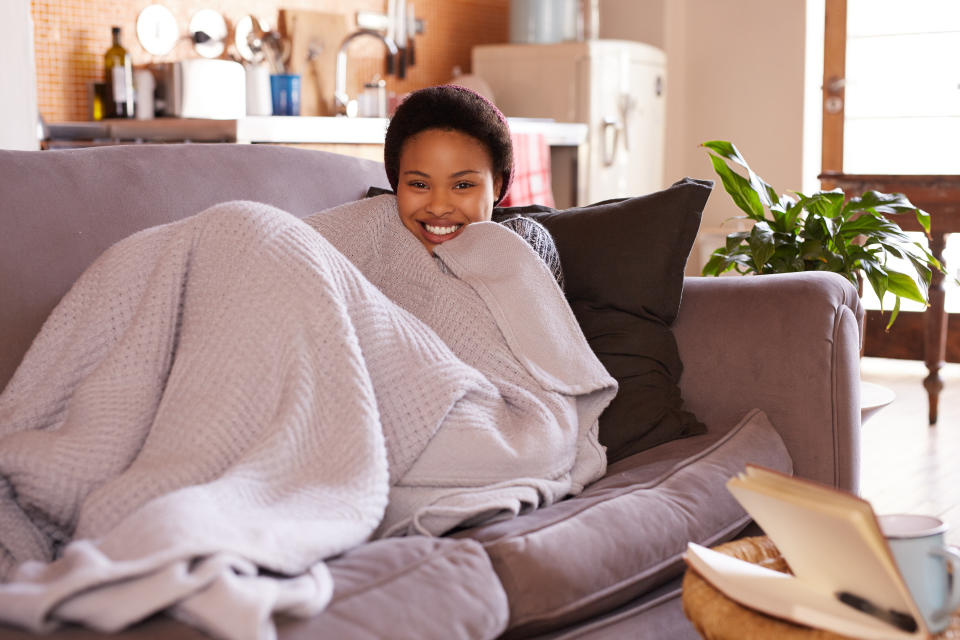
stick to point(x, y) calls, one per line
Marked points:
point(449, 158)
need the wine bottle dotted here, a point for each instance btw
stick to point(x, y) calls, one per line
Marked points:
point(119, 79)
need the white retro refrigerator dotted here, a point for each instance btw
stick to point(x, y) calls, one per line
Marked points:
point(616, 87)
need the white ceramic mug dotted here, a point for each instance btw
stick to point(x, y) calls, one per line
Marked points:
point(259, 100)
point(926, 563)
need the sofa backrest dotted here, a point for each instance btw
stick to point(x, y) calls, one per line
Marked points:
point(59, 210)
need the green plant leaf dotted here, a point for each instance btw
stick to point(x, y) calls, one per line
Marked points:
point(722, 261)
point(923, 219)
point(894, 314)
point(887, 203)
point(926, 256)
point(739, 189)
point(924, 272)
point(892, 249)
point(785, 214)
point(716, 265)
point(874, 226)
point(902, 285)
point(877, 277)
point(730, 152)
point(828, 204)
point(880, 202)
point(824, 229)
point(762, 245)
point(736, 238)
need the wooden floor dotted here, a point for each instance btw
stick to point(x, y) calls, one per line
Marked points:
point(907, 465)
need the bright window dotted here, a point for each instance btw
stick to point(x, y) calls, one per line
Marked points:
point(902, 106)
point(902, 102)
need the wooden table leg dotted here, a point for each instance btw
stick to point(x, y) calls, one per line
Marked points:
point(935, 343)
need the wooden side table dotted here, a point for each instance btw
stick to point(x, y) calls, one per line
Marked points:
point(938, 195)
point(716, 617)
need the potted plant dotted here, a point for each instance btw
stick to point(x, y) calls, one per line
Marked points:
point(821, 232)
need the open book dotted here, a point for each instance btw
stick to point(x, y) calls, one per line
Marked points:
point(845, 578)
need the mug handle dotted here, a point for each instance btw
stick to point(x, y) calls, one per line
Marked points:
point(952, 556)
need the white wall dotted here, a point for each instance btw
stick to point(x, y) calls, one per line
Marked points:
point(18, 83)
point(735, 72)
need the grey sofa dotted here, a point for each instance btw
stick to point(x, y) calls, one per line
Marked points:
point(605, 564)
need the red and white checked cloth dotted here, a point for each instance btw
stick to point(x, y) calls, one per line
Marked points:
point(531, 172)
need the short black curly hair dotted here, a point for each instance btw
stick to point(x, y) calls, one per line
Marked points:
point(450, 107)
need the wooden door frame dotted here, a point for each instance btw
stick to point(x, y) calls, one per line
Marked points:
point(834, 74)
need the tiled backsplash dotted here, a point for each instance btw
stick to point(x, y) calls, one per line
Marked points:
point(71, 36)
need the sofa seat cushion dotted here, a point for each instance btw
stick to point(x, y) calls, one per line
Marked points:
point(414, 587)
point(626, 533)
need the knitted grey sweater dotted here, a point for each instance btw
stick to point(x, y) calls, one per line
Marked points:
point(540, 239)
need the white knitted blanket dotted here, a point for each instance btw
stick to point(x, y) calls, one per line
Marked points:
point(221, 403)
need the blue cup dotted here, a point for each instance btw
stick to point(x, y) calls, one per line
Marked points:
point(285, 91)
point(929, 567)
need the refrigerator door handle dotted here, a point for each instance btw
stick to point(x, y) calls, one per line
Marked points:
point(610, 135)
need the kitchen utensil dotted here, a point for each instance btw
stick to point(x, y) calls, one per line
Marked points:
point(392, 34)
point(248, 38)
point(401, 41)
point(320, 33)
point(277, 50)
point(411, 32)
point(157, 30)
point(208, 30)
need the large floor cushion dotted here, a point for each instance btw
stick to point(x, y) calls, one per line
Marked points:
point(626, 533)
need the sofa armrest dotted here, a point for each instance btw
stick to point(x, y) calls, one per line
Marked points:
point(788, 344)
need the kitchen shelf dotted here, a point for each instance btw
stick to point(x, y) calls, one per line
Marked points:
point(279, 130)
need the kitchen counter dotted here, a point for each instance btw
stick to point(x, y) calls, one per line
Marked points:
point(275, 130)
point(359, 137)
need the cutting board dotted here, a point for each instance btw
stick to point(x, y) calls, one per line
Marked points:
point(314, 38)
point(322, 33)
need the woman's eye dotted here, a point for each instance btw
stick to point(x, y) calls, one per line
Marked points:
point(463, 185)
point(416, 184)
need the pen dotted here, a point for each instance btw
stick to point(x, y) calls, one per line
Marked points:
point(898, 619)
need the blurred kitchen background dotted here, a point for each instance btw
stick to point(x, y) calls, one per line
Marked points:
point(621, 96)
point(606, 98)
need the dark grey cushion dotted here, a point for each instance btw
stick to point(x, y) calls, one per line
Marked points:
point(626, 533)
point(623, 261)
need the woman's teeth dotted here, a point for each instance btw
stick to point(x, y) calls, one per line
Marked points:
point(441, 231)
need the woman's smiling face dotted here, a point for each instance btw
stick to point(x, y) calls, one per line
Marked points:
point(445, 182)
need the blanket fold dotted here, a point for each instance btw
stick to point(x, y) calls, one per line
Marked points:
point(220, 404)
